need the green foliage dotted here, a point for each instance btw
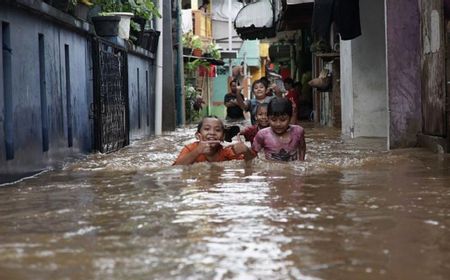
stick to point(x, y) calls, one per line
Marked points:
point(143, 8)
point(108, 6)
point(73, 3)
point(189, 40)
point(192, 66)
point(213, 49)
point(135, 28)
point(193, 103)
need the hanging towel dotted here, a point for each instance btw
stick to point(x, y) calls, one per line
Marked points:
point(447, 9)
point(345, 14)
point(322, 18)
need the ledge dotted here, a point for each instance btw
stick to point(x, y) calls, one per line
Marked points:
point(434, 143)
point(133, 49)
point(328, 56)
point(43, 9)
point(207, 59)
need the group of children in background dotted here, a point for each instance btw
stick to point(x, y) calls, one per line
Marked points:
point(273, 130)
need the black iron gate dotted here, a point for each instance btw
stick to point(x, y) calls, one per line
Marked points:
point(110, 108)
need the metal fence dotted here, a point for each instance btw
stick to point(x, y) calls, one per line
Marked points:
point(110, 107)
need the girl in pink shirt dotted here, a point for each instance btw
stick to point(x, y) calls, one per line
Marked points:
point(281, 141)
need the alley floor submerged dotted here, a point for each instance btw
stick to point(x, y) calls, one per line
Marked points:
point(352, 210)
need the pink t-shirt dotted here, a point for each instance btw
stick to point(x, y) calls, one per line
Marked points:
point(277, 149)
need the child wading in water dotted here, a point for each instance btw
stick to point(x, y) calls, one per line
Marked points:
point(259, 89)
point(281, 141)
point(210, 133)
point(262, 121)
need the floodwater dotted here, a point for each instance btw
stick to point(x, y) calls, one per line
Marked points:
point(351, 211)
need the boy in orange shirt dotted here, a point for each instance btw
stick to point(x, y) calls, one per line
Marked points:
point(210, 133)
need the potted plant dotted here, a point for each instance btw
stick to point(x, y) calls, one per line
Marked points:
point(193, 103)
point(62, 5)
point(143, 10)
point(192, 66)
point(150, 40)
point(111, 8)
point(212, 50)
point(80, 8)
point(106, 26)
point(191, 42)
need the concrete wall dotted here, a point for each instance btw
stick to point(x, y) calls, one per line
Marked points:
point(45, 102)
point(29, 141)
point(404, 87)
point(363, 74)
point(141, 96)
point(347, 88)
point(220, 34)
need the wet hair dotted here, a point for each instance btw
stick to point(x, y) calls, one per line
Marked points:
point(289, 81)
point(200, 124)
point(261, 105)
point(279, 106)
point(258, 82)
point(265, 81)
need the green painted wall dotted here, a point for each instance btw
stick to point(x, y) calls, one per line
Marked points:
point(220, 89)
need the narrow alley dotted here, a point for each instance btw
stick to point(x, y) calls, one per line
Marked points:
point(99, 97)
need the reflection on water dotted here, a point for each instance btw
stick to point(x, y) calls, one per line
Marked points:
point(351, 211)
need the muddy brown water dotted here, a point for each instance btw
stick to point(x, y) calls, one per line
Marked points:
point(352, 211)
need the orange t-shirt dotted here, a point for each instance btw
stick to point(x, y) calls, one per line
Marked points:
point(225, 154)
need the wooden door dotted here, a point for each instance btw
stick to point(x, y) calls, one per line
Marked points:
point(433, 68)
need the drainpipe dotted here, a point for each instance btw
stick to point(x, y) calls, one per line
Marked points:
point(229, 36)
point(179, 80)
point(158, 82)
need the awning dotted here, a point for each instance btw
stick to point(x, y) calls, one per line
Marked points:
point(296, 2)
point(258, 20)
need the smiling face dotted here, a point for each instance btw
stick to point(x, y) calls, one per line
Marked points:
point(261, 116)
point(279, 124)
point(259, 90)
point(211, 130)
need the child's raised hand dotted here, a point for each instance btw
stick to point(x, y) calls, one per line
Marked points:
point(240, 147)
point(207, 147)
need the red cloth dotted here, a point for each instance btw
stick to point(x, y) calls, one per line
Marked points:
point(207, 71)
point(249, 132)
point(292, 95)
point(285, 72)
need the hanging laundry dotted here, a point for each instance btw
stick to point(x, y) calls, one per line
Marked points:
point(344, 13)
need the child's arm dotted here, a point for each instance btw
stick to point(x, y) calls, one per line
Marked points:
point(241, 148)
point(189, 156)
point(240, 100)
point(229, 102)
point(302, 147)
point(294, 113)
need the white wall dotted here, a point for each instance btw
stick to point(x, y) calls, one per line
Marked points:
point(363, 74)
point(346, 88)
point(220, 32)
